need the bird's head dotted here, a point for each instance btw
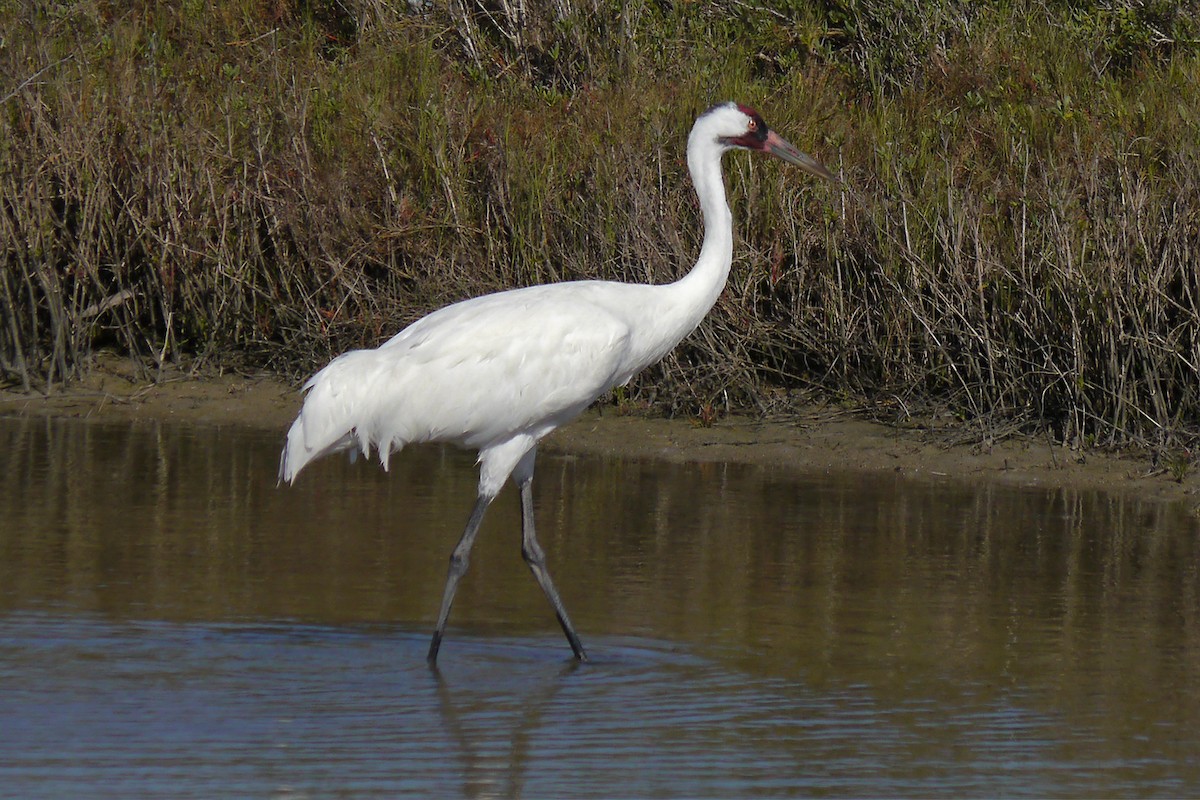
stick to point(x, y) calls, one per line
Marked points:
point(733, 125)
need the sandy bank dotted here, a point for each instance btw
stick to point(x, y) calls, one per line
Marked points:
point(823, 439)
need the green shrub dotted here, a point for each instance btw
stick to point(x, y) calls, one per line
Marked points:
point(274, 181)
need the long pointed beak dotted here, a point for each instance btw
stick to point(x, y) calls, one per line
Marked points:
point(779, 147)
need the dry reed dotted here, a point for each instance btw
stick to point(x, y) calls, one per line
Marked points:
point(268, 182)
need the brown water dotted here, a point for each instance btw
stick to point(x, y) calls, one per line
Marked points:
point(174, 625)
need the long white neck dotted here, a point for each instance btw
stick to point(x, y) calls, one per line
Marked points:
point(680, 306)
point(701, 287)
point(669, 312)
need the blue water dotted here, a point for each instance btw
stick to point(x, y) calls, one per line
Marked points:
point(98, 708)
point(173, 625)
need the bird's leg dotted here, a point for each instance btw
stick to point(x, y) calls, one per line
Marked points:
point(459, 560)
point(531, 551)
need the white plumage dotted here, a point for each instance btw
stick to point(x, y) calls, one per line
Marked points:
point(498, 373)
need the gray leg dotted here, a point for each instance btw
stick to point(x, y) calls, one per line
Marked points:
point(531, 551)
point(459, 560)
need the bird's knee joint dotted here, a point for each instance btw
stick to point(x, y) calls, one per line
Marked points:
point(534, 556)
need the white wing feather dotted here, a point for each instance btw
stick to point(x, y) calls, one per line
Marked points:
point(499, 372)
point(472, 373)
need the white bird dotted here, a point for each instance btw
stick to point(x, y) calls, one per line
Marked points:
point(498, 373)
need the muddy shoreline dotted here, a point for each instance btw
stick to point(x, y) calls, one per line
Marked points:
point(821, 440)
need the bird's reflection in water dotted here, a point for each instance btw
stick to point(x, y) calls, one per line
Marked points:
point(477, 725)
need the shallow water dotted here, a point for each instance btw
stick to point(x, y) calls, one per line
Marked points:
point(173, 624)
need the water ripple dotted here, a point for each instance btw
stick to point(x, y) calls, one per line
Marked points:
point(124, 709)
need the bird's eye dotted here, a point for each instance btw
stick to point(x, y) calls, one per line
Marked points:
point(753, 126)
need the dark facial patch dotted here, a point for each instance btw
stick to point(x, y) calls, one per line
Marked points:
point(756, 131)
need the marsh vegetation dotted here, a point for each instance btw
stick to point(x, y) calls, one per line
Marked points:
point(269, 182)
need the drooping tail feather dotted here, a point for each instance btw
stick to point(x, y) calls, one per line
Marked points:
point(334, 414)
